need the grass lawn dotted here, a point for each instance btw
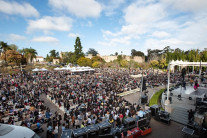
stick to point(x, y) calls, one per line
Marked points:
point(156, 97)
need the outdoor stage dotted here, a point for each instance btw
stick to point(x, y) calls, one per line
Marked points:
point(179, 106)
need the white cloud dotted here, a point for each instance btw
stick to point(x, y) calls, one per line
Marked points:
point(160, 34)
point(140, 17)
point(172, 42)
point(90, 24)
point(119, 41)
point(73, 35)
point(15, 37)
point(144, 14)
point(13, 8)
point(111, 6)
point(79, 8)
point(187, 5)
point(134, 30)
point(87, 24)
point(46, 39)
point(48, 23)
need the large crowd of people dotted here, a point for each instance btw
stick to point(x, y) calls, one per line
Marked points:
point(87, 98)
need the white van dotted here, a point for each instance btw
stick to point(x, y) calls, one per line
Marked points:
point(11, 131)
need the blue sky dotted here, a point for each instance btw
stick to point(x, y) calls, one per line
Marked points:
point(108, 26)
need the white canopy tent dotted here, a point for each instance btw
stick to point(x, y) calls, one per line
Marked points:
point(138, 76)
point(75, 69)
point(36, 69)
point(57, 68)
point(43, 69)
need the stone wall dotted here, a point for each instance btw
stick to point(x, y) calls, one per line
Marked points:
point(111, 58)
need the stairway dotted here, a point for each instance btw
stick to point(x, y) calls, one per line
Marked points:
point(179, 115)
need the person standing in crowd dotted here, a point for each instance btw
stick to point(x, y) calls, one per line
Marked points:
point(98, 94)
point(190, 115)
point(196, 85)
point(55, 132)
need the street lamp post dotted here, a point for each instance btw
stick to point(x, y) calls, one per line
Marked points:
point(140, 101)
point(168, 86)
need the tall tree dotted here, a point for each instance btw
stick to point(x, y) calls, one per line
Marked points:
point(29, 54)
point(204, 56)
point(136, 53)
point(14, 57)
point(68, 57)
point(54, 54)
point(92, 51)
point(78, 49)
point(119, 58)
point(155, 54)
point(3, 48)
point(13, 47)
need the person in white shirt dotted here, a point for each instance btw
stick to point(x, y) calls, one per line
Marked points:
point(115, 117)
point(56, 131)
point(89, 120)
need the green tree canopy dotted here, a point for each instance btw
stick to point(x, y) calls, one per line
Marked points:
point(97, 64)
point(84, 61)
point(68, 57)
point(29, 54)
point(97, 58)
point(136, 53)
point(14, 57)
point(54, 54)
point(13, 47)
point(162, 64)
point(124, 63)
point(154, 63)
point(3, 48)
point(119, 58)
point(133, 64)
point(92, 51)
point(78, 49)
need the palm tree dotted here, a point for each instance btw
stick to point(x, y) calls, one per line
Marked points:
point(29, 54)
point(3, 48)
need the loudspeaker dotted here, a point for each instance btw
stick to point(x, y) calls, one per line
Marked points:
point(104, 128)
point(154, 109)
point(80, 133)
point(93, 131)
point(144, 99)
point(66, 133)
point(106, 136)
point(116, 132)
